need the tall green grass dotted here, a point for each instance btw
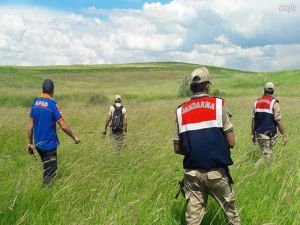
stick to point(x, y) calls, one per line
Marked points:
point(94, 186)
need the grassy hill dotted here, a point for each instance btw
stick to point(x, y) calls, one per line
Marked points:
point(96, 187)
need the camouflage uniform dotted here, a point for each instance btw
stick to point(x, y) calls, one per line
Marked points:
point(265, 142)
point(199, 184)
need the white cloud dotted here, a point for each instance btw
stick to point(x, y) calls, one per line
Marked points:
point(265, 58)
point(237, 34)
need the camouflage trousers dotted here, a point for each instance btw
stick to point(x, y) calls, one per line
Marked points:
point(117, 140)
point(266, 144)
point(198, 185)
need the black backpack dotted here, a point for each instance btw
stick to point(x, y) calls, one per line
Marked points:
point(117, 120)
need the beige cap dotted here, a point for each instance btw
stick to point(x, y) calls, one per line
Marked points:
point(117, 97)
point(200, 75)
point(269, 86)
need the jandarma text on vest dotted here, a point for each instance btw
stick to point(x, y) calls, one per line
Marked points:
point(198, 105)
point(264, 100)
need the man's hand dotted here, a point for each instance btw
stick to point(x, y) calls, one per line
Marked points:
point(30, 149)
point(284, 139)
point(253, 139)
point(177, 147)
point(104, 132)
point(76, 140)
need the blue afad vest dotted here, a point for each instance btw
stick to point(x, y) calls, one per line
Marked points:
point(201, 134)
point(264, 116)
point(45, 114)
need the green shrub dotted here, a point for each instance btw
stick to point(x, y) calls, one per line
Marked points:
point(98, 99)
point(12, 101)
point(184, 88)
point(217, 92)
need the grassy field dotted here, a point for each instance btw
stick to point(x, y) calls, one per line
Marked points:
point(94, 186)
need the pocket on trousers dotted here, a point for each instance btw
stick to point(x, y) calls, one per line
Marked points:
point(212, 175)
point(230, 198)
point(187, 195)
point(217, 180)
point(192, 173)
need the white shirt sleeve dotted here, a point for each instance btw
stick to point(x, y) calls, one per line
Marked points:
point(111, 110)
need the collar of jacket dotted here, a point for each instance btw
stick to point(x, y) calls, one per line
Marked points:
point(199, 95)
point(45, 95)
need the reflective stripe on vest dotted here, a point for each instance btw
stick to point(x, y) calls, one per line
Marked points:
point(265, 104)
point(210, 110)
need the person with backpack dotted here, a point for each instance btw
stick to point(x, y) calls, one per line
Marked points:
point(44, 116)
point(117, 119)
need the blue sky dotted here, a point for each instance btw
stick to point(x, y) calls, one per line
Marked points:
point(77, 5)
point(257, 35)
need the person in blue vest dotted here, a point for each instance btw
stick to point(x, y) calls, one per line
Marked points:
point(204, 135)
point(44, 115)
point(266, 120)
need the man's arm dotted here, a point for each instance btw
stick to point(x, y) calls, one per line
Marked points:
point(230, 137)
point(228, 128)
point(281, 130)
point(30, 146)
point(253, 131)
point(176, 141)
point(64, 126)
point(280, 125)
point(177, 147)
point(109, 117)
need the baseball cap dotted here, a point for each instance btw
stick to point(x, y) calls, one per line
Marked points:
point(48, 86)
point(200, 75)
point(117, 97)
point(269, 86)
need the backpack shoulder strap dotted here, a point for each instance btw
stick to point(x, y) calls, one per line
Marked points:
point(116, 107)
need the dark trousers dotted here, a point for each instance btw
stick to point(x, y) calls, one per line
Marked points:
point(49, 159)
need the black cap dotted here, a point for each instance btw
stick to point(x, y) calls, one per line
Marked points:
point(48, 86)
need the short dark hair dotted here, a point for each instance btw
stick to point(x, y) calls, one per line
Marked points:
point(268, 91)
point(195, 88)
point(48, 86)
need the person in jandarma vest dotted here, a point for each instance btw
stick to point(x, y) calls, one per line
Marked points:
point(265, 121)
point(44, 115)
point(204, 135)
point(117, 119)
